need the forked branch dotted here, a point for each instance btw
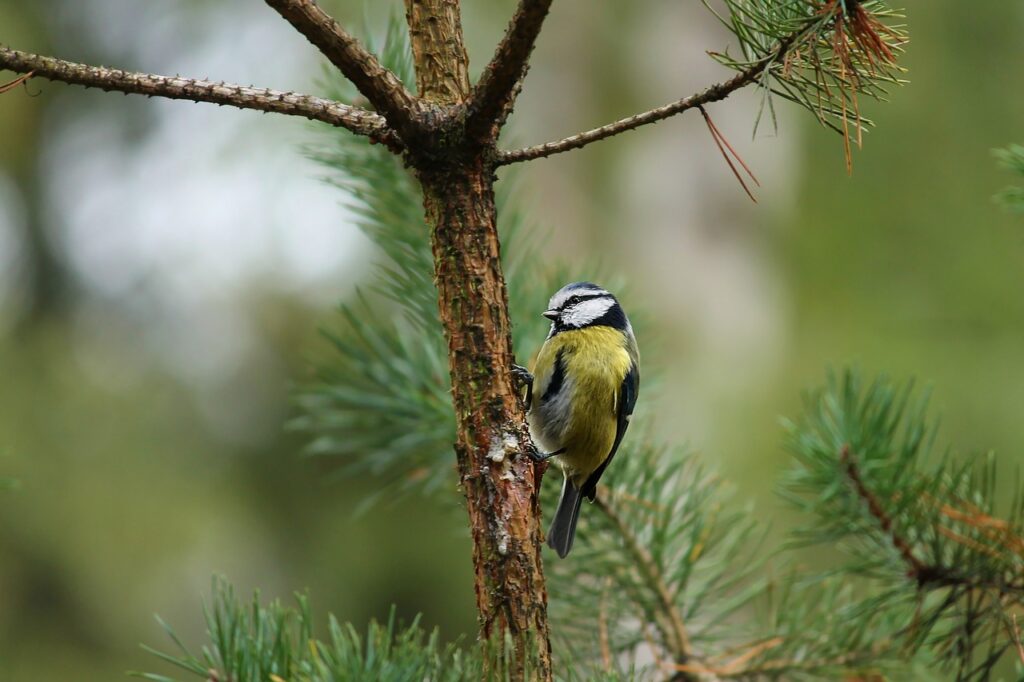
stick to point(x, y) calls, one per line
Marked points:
point(495, 93)
point(379, 85)
point(176, 87)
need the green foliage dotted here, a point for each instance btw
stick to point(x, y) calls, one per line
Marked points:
point(928, 534)
point(247, 642)
point(1012, 159)
point(382, 402)
point(666, 568)
point(391, 654)
point(821, 55)
point(274, 643)
point(820, 629)
point(655, 547)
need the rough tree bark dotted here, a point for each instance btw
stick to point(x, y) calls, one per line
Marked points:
point(498, 479)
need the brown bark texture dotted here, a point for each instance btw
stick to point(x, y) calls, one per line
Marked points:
point(386, 93)
point(498, 479)
point(442, 65)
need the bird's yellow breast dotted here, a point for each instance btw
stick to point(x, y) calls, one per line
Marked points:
point(583, 416)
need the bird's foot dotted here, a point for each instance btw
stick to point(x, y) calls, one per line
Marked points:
point(538, 457)
point(522, 376)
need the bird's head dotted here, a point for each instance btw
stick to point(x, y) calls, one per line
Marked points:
point(582, 304)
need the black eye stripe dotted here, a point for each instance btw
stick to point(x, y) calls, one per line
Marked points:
point(579, 298)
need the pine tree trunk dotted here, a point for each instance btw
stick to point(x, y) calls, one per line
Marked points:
point(499, 481)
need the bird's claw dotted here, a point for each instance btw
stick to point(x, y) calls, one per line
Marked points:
point(522, 375)
point(539, 457)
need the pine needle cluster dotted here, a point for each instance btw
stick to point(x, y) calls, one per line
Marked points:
point(273, 642)
point(820, 54)
point(925, 530)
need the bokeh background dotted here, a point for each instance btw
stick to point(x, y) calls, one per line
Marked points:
point(165, 267)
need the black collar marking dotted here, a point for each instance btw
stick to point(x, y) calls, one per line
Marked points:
point(557, 378)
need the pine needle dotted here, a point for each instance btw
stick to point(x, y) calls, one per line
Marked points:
point(16, 82)
point(719, 139)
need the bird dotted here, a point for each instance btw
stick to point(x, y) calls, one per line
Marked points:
point(580, 395)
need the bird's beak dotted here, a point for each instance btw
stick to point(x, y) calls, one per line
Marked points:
point(550, 314)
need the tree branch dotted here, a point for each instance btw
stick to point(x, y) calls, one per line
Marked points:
point(492, 98)
point(175, 87)
point(438, 50)
point(773, 667)
point(671, 626)
point(715, 93)
point(924, 573)
point(379, 85)
point(915, 567)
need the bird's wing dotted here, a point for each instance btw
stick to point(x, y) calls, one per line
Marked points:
point(625, 401)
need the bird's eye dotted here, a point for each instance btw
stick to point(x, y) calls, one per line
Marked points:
point(574, 300)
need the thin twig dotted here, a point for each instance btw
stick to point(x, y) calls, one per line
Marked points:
point(492, 98)
point(715, 93)
point(602, 627)
point(775, 666)
point(379, 85)
point(735, 666)
point(1015, 637)
point(916, 567)
point(176, 87)
point(995, 529)
point(977, 546)
point(655, 649)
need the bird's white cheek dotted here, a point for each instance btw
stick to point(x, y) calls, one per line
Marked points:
point(586, 312)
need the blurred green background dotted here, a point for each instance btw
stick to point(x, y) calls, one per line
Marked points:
point(164, 267)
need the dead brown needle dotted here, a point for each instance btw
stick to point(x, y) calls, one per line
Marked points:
point(16, 82)
point(723, 144)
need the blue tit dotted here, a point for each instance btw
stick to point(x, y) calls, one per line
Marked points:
point(581, 394)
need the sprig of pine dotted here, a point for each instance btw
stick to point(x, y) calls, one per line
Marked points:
point(820, 54)
point(666, 570)
point(944, 555)
point(251, 642)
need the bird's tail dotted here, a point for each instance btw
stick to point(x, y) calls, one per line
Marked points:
point(563, 527)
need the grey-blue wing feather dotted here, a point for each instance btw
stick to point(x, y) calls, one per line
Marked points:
point(626, 402)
